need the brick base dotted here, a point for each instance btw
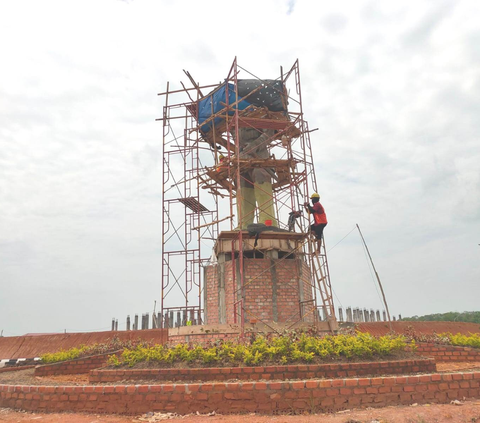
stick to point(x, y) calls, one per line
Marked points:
point(263, 397)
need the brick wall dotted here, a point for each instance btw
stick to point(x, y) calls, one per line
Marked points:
point(14, 369)
point(267, 372)
point(211, 294)
point(231, 293)
point(448, 352)
point(79, 366)
point(258, 289)
point(202, 338)
point(272, 290)
point(326, 395)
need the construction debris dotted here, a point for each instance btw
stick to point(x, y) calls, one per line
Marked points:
point(152, 417)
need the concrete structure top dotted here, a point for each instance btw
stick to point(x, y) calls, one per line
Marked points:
point(267, 241)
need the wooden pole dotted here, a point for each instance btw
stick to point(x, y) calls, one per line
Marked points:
point(378, 279)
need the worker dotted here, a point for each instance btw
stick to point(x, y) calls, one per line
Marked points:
point(319, 216)
point(255, 184)
point(221, 165)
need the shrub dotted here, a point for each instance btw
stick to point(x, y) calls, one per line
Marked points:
point(472, 340)
point(287, 348)
point(114, 344)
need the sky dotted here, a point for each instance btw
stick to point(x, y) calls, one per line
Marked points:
point(393, 88)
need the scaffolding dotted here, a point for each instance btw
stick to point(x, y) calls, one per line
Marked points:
point(203, 170)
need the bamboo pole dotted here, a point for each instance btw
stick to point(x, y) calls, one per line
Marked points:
point(378, 279)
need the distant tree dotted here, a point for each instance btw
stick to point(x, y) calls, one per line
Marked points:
point(451, 316)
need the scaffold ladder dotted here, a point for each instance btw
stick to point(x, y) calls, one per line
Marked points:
point(321, 279)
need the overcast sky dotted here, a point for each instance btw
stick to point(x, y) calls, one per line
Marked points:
point(393, 88)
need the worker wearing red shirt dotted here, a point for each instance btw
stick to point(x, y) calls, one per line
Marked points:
point(319, 216)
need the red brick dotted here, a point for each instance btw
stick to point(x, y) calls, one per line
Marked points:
point(260, 386)
point(297, 385)
point(325, 383)
point(167, 388)
point(247, 386)
point(201, 396)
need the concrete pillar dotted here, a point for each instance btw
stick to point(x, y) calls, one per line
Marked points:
point(272, 254)
point(116, 324)
point(128, 322)
point(192, 317)
point(378, 316)
point(399, 317)
point(222, 312)
point(394, 319)
point(365, 315)
point(170, 320)
point(147, 318)
point(384, 316)
point(324, 312)
point(136, 322)
point(113, 324)
point(372, 315)
point(349, 314)
point(179, 321)
point(340, 314)
point(184, 318)
point(154, 321)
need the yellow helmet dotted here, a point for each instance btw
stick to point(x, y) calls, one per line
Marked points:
point(314, 195)
point(221, 156)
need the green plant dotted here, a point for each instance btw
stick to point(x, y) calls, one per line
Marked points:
point(471, 340)
point(286, 348)
point(110, 345)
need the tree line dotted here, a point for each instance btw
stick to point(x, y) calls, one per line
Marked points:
point(451, 316)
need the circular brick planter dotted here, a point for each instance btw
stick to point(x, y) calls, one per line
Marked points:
point(423, 365)
point(325, 395)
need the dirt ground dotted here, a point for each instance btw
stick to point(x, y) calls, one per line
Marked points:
point(468, 412)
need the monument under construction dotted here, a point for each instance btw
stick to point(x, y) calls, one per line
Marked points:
point(237, 170)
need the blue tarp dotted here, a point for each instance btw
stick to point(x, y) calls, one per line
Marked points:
point(217, 97)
